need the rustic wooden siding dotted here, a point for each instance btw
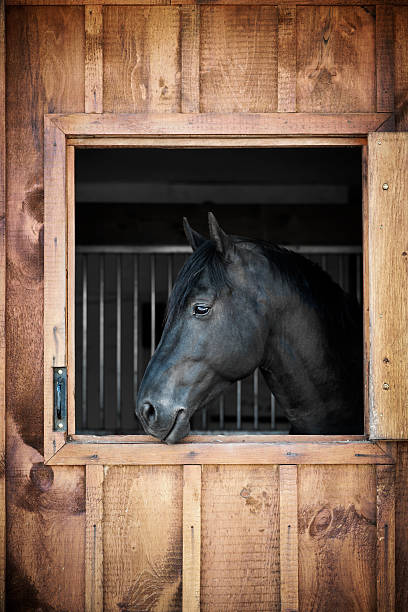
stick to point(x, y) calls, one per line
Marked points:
point(171, 59)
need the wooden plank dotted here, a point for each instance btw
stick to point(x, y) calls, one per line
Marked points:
point(141, 59)
point(287, 59)
point(93, 59)
point(239, 453)
point(385, 538)
point(401, 522)
point(288, 543)
point(227, 124)
point(70, 276)
point(94, 539)
point(384, 46)
point(366, 309)
point(335, 59)
point(387, 278)
point(191, 2)
point(220, 439)
point(240, 538)
point(238, 59)
point(190, 59)
point(142, 538)
point(2, 310)
point(401, 66)
point(191, 537)
point(337, 537)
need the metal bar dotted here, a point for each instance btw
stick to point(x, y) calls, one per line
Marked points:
point(222, 408)
point(256, 393)
point(323, 262)
point(204, 418)
point(118, 338)
point(273, 411)
point(169, 275)
point(239, 394)
point(174, 249)
point(101, 337)
point(135, 326)
point(358, 278)
point(84, 338)
point(152, 303)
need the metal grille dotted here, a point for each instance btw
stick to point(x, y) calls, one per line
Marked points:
point(121, 295)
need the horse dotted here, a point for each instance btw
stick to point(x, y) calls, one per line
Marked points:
point(240, 304)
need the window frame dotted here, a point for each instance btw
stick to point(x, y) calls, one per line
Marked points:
point(64, 133)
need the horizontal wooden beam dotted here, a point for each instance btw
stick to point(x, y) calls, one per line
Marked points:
point(201, 2)
point(247, 453)
point(226, 124)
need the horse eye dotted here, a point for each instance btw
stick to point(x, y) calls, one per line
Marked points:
point(200, 310)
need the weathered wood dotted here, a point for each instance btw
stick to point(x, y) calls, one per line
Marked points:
point(142, 538)
point(239, 453)
point(190, 59)
point(203, 2)
point(240, 538)
point(141, 59)
point(288, 543)
point(384, 46)
point(401, 66)
point(238, 59)
point(335, 59)
point(401, 528)
point(2, 309)
point(45, 513)
point(220, 439)
point(70, 277)
point(387, 278)
point(287, 59)
point(94, 539)
point(385, 537)
point(191, 537)
point(337, 537)
point(93, 59)
point(228, 124)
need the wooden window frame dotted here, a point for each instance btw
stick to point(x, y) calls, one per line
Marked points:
point(63, 133)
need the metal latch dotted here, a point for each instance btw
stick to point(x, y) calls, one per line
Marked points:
point(60, 399)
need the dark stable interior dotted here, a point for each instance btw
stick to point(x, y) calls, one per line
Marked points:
point(131, 199)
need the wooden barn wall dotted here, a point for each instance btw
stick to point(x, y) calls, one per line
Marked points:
point(176, 58)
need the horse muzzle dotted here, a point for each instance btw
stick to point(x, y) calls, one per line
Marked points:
point(167, 425)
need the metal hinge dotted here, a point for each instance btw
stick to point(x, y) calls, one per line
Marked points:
point(60, 399)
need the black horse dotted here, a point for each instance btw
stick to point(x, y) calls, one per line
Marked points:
point(239, 304)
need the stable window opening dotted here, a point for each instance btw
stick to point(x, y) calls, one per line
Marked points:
point(130, 246)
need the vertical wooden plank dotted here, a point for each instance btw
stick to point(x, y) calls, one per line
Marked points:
point(401, 527)
point(190, 59)
point(94, 539)
point(45, 506)
point(191, 537)
point(401, 66)
point(70, 189)
point(287, 59)
point(141, 59)
point(388, 261)
point(384, 48)
point(142, 538)
point(288, 538)
point(385, 537)
point(239, 68)
point(93, 59)
point(337, 537)
point(240, 538)
point(2, 308)
point(366, 308)
point(335, 59)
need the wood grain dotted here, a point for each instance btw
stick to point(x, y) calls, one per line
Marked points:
point(93, 59)
point(45, 512)
point(385, 537)
point(216, 2)
point(191, 537)
point(141, 59)
point(238, 59)
point(2, 309)
point(190, 59)
point(388, 261)
point(94, 539)
point(335, 59)
point(401, 66)
point(384, 47)
point(401, 528)
point(70, 282)
point(337, 537)
point(240, 538)
point(239, 454)
point(287, 59)
point(142, 538)
point(288, 543)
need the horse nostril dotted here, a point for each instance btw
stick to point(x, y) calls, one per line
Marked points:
point(149, 413)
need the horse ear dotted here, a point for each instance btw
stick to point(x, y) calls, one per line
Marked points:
point(194, 238)
point(221, 239)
